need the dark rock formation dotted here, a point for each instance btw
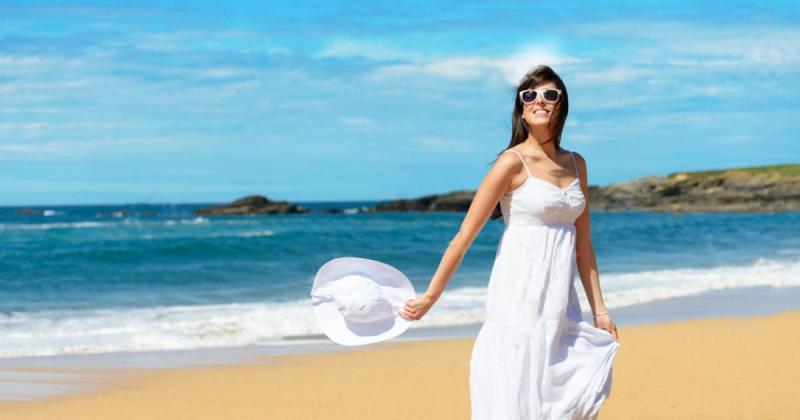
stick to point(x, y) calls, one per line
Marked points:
point(29, 212)
point(764, 188)
point(251, 205)
point(453, 201)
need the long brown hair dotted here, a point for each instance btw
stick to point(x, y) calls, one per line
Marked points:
point(519, 129)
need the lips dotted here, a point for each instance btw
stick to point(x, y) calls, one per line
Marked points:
point(541, 111)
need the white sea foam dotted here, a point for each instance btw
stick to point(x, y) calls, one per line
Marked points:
point(243, 234)
point(56, 225)
point(466, 305)
point(98, 224)
point(355, 210)
point(255, 234)
point(157, 328)
point(645, 286)
point(195, 221)
point(202, 326)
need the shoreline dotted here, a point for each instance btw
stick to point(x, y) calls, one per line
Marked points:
point(678, 369)
point(38, 378)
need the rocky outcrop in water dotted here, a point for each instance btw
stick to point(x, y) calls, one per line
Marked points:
point(29, 212)
point(452, 201)
point(251, 205)
point(764, 188)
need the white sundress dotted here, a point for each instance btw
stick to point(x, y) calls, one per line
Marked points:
point(534, 357)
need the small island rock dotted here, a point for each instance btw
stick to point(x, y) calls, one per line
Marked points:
point(251, 205)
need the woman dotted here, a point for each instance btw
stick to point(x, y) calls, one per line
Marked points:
point(534, 356)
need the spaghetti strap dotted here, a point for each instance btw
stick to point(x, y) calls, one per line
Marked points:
point(574, 164)
point(523, 161)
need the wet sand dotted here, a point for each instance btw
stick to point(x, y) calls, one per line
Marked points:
point(714, 368)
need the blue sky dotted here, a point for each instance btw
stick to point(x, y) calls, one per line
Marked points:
point(201, 102)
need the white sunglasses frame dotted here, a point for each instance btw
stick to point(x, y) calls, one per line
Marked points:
point(539, 94)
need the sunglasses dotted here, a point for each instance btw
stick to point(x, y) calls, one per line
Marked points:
point(549, 95)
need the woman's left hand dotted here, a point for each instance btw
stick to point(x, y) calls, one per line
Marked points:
point(605, 322)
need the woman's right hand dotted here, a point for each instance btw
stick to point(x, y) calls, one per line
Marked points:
point(415, 309)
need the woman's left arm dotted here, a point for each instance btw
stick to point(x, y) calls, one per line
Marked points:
point(586, 260)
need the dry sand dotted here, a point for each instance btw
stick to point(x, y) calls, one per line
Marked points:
point(721, 368)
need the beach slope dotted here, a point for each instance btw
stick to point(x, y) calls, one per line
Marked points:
point(718, 368)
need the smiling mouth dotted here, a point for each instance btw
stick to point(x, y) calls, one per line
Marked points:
point(541, 111)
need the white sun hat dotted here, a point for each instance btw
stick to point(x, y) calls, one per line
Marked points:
point(357, 300)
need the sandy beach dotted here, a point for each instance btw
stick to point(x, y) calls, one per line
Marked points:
point(716, 368)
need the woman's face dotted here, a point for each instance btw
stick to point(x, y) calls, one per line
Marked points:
point(539, 112)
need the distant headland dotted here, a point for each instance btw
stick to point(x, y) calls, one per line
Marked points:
point(760, 188)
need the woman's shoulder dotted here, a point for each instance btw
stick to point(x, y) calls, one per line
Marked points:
point(511, 155)
point(508, 159)
point(578, 157)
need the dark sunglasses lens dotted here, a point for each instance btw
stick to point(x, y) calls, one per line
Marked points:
point(529, 96)
point(550, 95)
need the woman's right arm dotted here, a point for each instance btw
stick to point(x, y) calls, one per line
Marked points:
point(497, 181)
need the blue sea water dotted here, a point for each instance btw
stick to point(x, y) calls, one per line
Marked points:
point(94, 279)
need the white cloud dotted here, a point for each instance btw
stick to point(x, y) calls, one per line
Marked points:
point(357, 121)
point(28, 65)
point(221, 72)
point(278, 50)
point(182, 40)
point(508, 69)
point(616, 74)
point(439, 144)
point(24, 128)
point(17, 110)
point(373, 50)
point(582, 138)
point(700, 45)
point(173, 188)
point(86, 148)
point(778, 52)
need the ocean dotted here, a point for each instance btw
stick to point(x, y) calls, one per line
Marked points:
point(101, 279)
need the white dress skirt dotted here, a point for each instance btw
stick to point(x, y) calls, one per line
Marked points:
point(534, 356)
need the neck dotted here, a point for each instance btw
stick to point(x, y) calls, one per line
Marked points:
point(538, 139)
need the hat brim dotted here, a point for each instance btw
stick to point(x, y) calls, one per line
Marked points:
point(397, 288)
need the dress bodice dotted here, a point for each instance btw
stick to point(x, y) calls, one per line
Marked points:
point(539, 202)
